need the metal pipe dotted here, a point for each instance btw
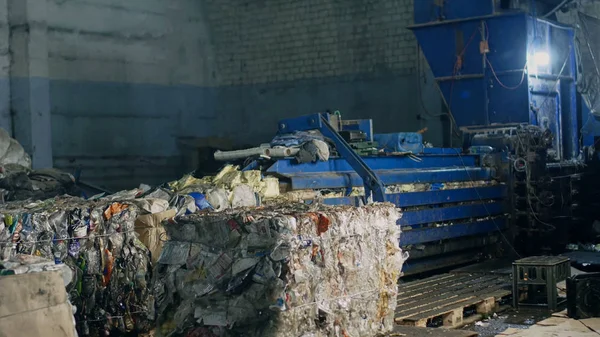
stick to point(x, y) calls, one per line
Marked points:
point(240, 154)
point(273, 152)
point(281, 152)
point(459, 77)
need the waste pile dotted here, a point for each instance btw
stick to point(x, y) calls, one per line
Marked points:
point(110, 242)
point(289, 270)
point(230, 188)
point(19, 182)
point(11, 152)
point(96, 240)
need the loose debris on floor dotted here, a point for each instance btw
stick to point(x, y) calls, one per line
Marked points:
point(558, 326)
point(409, 331)
point(284, 271)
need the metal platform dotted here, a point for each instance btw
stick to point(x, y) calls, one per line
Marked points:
point(452, 300)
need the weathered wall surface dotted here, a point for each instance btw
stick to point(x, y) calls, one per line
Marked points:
point(126, 79)
point(5, 119)
point(123, 80)
point(283, 58)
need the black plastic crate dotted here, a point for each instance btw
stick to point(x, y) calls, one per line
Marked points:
point(535, 279)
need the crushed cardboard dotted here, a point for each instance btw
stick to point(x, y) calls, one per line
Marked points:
point(283, 271)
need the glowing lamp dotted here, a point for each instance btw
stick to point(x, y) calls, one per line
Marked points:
point(541, 58)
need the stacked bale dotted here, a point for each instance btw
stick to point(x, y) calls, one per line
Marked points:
point(280, 271)
point(110, 267)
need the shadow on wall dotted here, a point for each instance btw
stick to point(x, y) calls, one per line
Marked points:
point(249, 113)
point(122, 134)
point(137, 142)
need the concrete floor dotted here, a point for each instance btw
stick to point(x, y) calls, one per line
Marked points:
point(511, 319)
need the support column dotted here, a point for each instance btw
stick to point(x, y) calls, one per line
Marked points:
point(5, 117)
point(30, 88)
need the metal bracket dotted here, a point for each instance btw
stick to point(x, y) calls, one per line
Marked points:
point(373, 185)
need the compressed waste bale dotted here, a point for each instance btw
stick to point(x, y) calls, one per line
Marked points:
point(312, 194)
point(288, 270)
point(96, 240)
point(34, 304)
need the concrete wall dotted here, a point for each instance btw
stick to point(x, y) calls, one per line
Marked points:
point(126, 79)
point(5, 59)
point(111, 85)
point(283, 58)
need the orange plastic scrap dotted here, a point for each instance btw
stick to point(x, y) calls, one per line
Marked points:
point(114, 208)
point(322, 224)
point(314, 217)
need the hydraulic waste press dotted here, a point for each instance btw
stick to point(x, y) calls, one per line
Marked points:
point(509, 82)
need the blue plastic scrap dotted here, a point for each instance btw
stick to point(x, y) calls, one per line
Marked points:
point(201, 201)
point(400, 142)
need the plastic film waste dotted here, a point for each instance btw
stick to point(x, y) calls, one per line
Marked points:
point(281, 271)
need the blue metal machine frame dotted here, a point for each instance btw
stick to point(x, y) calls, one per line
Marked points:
point(433, 219)
point(480, 57)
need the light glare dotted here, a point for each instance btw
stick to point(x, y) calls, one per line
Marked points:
point(541, 58)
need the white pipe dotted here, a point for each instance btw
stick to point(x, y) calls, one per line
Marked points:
point(240, 154)
point(263, 150)
point(280, 152)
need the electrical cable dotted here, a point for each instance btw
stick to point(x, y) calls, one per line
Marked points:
point(555, 9)
point(485, 206)
point(455, 70)
point(487, 39)
point(537, 219)
point(528, 179)
point(419, 87)
point(457, 66)
point(500, 82)
point(65, 239)
point(106, 318)
point(562, 69)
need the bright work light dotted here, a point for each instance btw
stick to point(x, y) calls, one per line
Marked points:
point(541, 58)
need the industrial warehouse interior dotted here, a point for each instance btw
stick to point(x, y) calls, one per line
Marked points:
point(287, 168)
